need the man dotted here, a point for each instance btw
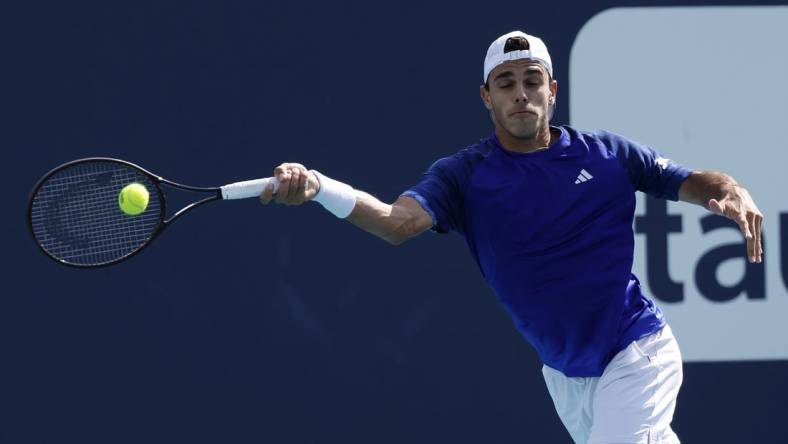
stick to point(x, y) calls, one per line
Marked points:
point(547, 214)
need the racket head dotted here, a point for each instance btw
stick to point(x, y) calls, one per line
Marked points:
point(75, 219)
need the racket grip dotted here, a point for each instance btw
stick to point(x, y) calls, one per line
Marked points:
point(247, 188)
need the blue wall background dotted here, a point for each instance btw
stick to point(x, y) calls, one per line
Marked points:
point(277, 324)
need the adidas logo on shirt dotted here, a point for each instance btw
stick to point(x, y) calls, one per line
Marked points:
point(584, 176)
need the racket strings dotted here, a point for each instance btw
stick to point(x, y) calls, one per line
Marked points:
point(75, 215)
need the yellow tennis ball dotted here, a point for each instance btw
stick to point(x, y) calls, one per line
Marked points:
point(133, 199)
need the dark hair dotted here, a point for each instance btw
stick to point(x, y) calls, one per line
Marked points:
point(517, 43)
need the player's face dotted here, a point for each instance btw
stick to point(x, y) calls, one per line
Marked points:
point(519, 98)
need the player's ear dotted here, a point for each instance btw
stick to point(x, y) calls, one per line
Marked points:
point(484, 93)
point(553, 91)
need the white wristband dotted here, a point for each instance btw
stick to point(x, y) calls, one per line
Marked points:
point(337, 197)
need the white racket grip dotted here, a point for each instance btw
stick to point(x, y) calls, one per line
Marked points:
point(247, 188)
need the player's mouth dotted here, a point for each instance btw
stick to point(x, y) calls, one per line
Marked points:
point(522, 112)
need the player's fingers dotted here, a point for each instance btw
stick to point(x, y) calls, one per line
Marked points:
point(295, 178)
point(715, 207)
point(280, 170)
point(290, 166)
point(302, 177)
point(296, 166)
point(292, 178)
point(757, 222)
point(744, 227)
point(267, 194)
point(751, 242)
point(284, 187)
point(281, 173)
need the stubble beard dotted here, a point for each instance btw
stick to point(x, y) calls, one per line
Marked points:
point(521, 130)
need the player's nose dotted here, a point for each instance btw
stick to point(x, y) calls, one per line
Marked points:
point(520, 95)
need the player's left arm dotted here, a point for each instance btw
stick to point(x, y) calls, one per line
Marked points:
point(722, 195)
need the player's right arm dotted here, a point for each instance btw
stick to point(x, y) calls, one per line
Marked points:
point(395, 223)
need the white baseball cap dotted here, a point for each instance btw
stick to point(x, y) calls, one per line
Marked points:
point(537, 51)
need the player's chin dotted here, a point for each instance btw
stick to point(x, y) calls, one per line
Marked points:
point(521, 131)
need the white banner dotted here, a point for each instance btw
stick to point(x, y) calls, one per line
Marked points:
point(705, 86)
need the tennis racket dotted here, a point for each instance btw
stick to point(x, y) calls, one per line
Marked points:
point(75, 218)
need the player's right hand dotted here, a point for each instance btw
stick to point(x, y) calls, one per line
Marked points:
point(296, 185)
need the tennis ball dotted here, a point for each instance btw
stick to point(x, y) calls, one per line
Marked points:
point(133, 199)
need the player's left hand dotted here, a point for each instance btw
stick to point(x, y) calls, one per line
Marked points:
point(737, 205)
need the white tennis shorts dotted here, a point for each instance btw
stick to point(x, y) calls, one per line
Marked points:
point(631, 403)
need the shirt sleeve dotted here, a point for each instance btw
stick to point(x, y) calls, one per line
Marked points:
point(649, 171)
point(440, 194)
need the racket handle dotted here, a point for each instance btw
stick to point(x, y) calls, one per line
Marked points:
point(247, 188)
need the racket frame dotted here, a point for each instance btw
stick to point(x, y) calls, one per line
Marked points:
point(156, 180)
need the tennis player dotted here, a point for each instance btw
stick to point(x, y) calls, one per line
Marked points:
point(546, 212)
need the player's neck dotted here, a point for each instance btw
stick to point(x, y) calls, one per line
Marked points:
point(543, 139)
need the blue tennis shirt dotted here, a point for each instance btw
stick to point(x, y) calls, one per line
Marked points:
point(552, 234)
